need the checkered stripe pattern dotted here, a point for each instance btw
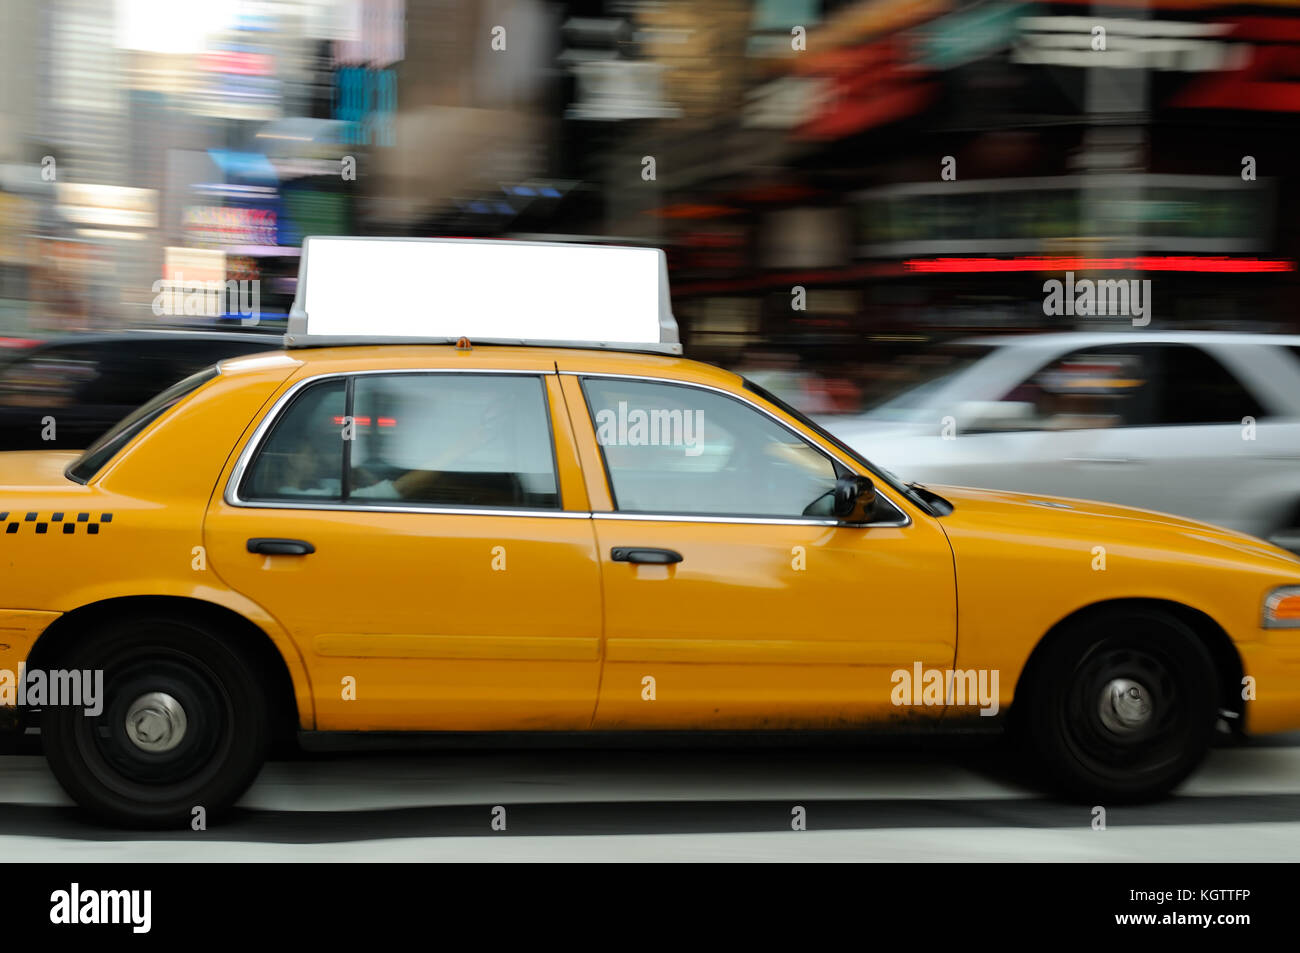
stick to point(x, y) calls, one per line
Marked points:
point(69, 522)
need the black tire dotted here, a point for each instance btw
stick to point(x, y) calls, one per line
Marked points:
point(210, 764)
point(1089, 732)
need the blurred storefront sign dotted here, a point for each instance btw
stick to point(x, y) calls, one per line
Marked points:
point(1192, 214)
point(238, 207)
point(224, 225)
point(193, 265)
point(120, 211)
point(701, 47)
point(805, 238)
point(610, 85)
point(1173, 45)
point(785, 103)
point(1267, 81)
point(868, 86)
point(970, 34)
point(858, 72)
point(366, 101)
point(1045, 264)
point(773, 21)
point(193, 283)
point(237, 62)
point(310, 211)
point(715, 248)
point(860, 21)
point(610, 90)
point(236, 77)
point(724, 322)
point(372, 33)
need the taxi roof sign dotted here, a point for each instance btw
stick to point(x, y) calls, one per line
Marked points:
point(439, 290)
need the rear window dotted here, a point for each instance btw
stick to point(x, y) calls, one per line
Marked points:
point(107, 446)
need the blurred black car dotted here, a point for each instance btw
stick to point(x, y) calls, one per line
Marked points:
point(62, 394)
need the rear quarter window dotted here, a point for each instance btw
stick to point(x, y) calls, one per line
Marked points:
point(93, 460)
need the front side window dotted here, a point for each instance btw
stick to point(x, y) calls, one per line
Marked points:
point(675, 449)
point(455, 440)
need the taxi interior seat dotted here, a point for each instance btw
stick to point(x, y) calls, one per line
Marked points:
point(472, 488)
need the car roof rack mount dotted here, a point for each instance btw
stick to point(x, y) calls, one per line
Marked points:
point(355, 291)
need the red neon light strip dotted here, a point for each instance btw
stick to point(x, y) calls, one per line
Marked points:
point(1172, 263)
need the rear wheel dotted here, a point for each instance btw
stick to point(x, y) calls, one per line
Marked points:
point(1123, 706)
point(184, 724)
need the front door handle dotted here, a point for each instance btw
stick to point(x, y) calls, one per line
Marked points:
point(642, 554)
point(270, 546)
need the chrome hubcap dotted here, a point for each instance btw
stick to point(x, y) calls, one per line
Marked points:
point(155, 722)
point(1125, 706)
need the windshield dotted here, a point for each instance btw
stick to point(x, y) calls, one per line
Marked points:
point(889, 477)
point(924, 374)
point(107, 446)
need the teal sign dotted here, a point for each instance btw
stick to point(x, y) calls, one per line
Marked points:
point(969, 34)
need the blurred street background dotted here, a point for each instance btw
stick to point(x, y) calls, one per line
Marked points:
point(839, 184)
point(843, 189)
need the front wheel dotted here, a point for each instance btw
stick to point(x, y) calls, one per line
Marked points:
point(1123, 706)
point(183, 724)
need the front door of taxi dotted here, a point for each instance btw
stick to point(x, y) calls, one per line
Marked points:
point(732, 598)
point(407, 530)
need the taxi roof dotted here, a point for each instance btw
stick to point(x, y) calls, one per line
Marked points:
point(442, 357)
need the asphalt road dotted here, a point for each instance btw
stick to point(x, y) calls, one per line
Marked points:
point(683, 805)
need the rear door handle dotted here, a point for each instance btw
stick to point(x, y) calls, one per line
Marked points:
point(271, 546)
point(1101, 460)
point(642, 554)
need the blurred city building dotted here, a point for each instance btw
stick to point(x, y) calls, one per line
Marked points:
point(836, 181)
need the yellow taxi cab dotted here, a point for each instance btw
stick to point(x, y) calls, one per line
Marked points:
point(510, 506)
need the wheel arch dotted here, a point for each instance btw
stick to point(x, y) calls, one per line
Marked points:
point(286, 696)
point(1228, 666)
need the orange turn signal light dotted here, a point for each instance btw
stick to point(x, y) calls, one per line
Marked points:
point(1282, 608)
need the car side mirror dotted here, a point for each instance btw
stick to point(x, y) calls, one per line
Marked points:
point(854, 499)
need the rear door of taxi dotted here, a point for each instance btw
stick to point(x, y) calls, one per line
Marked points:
point(732, 599)
point(423, 535)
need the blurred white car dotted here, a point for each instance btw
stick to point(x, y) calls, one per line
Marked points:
point(1205, 425)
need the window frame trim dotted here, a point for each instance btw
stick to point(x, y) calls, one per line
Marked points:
point(905, 518)
point(248, 455)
